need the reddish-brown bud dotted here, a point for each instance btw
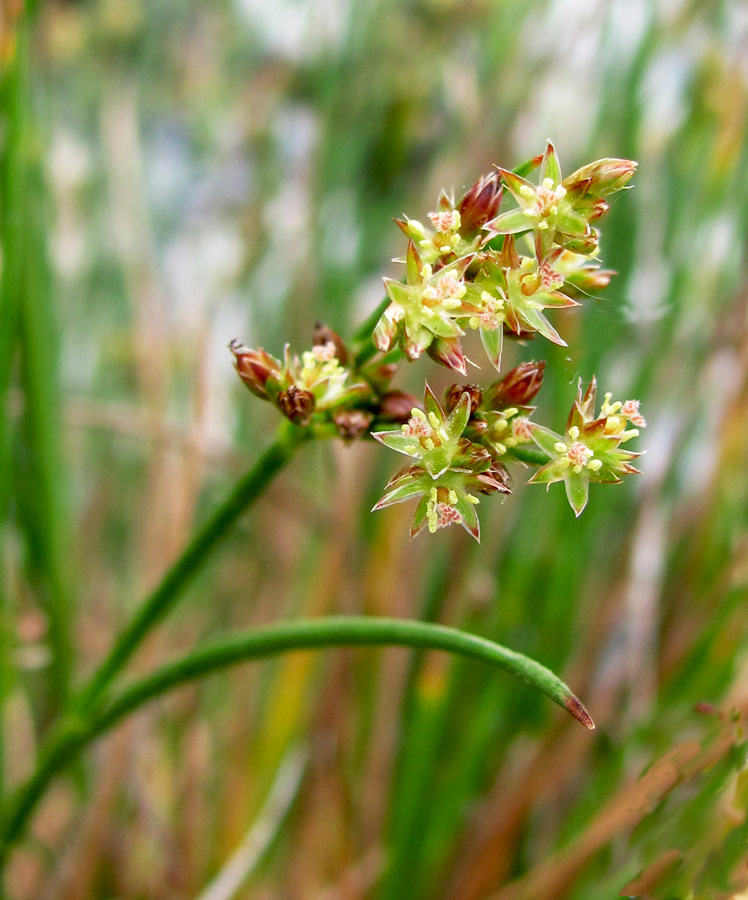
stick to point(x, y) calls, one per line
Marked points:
point(598, 209)
point(455, 391)
point(605, 176)
point(323, 334)
point(519, 387)
point(494, 479)
point(479, 205)
point(352, 423)
point(296, 404)
point(257, 369)
point(448, 352)
point(396, 406)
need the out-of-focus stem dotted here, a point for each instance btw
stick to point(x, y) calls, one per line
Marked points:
point(184, 570)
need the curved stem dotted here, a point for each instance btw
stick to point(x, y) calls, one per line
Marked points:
point(335, 631)
point(184, 570)
point(78, 731)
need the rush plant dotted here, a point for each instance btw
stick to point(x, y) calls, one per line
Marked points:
point(473, 267)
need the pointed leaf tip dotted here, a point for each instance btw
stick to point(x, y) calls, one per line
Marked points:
point(575, 706)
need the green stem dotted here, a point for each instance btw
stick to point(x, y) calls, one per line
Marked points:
point(363, 336)
point(78, 731)
point(533, 456)
point(184, 570)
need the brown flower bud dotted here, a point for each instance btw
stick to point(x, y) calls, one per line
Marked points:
point(455, 391)
point(257, 369)
point(396, 406)
point(518, 387)
point(598, 209)
point(352, 423)
point(448, 352)
point(479, 205)
point(296, 404)
point(494, 479)
point(323, 334)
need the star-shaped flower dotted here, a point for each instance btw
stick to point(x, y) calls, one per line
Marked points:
point(590, 449)
point(450, 467)
point(456, 230)
point(424, 311)
point(561, 209)
point(512, 291)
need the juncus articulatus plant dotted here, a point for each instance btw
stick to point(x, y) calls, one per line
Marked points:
point(474, 266)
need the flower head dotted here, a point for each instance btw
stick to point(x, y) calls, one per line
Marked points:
point(316, 382)
point(512, 291)
point(425, 310)
point(449, 470)
point(590, 449)
point(560, 209)
point(457, 229)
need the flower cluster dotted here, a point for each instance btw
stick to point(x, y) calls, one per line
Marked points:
point(468, 272)
point(472, 267)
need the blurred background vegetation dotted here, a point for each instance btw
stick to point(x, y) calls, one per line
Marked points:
point(177, 175)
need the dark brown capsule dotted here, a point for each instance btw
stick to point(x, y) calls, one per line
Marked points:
point(296, 404)
point(455, 391)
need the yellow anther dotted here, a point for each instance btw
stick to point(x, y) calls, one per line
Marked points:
point(573, 432)
point(452, 497)
point(560, 447)
point(434, 420)
point(594, 465)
